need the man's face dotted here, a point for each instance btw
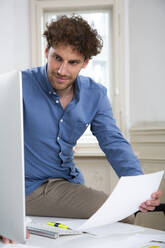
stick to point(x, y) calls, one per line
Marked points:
point(64, 64)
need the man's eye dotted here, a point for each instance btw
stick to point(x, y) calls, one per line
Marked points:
point(56, 57)
point(74, 62)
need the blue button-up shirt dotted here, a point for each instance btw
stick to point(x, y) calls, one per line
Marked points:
point(50, 133)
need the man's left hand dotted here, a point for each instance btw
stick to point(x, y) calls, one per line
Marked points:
point(150, 205)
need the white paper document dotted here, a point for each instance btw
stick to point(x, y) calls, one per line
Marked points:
point(125, 200)
point(117, 228)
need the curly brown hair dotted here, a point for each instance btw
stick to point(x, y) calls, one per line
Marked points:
point(74, 31)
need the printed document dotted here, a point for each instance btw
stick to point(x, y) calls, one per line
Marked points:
point(125, 200)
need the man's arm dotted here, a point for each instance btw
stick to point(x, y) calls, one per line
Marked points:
point(117, 149)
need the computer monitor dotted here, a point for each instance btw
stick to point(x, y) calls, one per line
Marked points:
point(12, 185)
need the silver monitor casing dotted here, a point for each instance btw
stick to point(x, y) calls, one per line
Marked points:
point(12, 182)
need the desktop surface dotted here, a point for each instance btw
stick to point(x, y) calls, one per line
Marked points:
point(113, 235)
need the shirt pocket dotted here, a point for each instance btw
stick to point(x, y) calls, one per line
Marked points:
point(82, 126)
point(79, 128)
point(75, 130)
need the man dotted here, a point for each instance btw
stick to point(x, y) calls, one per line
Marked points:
point(58, 107)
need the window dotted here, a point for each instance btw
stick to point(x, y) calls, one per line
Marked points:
point(106, 67)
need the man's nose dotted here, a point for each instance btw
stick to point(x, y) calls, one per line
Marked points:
point(62, 70)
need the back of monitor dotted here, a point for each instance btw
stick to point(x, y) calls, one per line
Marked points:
point(12, 186)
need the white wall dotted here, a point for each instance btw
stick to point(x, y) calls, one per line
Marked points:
point(147, 60)
point(14, 35)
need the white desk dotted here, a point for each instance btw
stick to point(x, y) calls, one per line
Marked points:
point(115, 235)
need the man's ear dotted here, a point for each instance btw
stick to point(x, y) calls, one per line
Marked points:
point(46, 52)
point(85, 63)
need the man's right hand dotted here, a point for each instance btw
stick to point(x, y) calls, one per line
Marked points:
point(7, 241)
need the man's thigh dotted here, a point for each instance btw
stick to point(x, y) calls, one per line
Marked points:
point(60, 198)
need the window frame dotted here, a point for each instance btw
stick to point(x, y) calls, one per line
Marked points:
point(37, 8)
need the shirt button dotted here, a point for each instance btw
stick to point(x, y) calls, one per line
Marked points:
point(87, 125)
point(50, 92)
point(61, 120)
point(57, 101)
point(54, 93)
point(58, 138)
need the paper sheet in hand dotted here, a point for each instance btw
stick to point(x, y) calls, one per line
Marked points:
point(125, 200)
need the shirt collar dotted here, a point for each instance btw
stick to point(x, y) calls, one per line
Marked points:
point(46, 83)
